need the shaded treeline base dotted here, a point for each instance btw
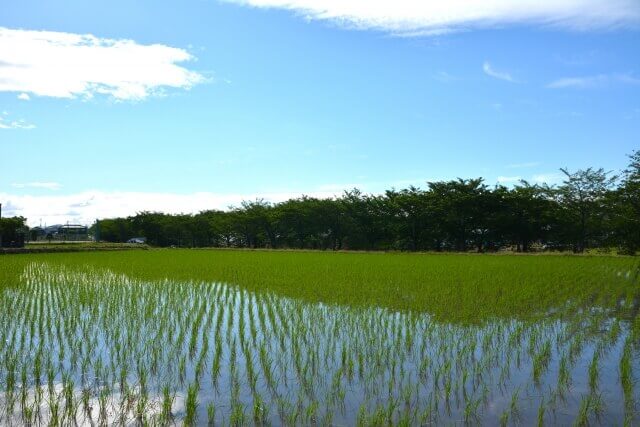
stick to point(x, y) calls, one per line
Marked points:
point(72, 247)
point(591, 209)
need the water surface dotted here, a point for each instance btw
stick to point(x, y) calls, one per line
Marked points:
point(93, 346)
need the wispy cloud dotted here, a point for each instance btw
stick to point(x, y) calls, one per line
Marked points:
point(547, 178)
point(68, 65)
point(599, 80)
point(502, 75)
point(24, 97)
point(45, 185)
point(6, 123)
point(424, 17)
point(445, 77)
point(509, 179)
point(551, 178)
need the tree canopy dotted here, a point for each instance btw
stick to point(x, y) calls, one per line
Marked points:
point(592, 208)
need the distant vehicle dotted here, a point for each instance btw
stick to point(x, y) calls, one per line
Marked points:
point(138, 240)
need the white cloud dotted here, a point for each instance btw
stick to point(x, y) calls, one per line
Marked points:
point(45, 185)
point(67, 65)
point(586, 82)
point(429, 17)
point(24, 97)
point(509, 179)
point(86, 206)
point(548, 178)
point(14, 124)
point(502, 75)
point(339, 188)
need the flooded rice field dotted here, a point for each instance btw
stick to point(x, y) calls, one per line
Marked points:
point(89, 346)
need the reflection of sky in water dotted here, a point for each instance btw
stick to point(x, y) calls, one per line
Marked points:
point(100, 332)
point(113, 413)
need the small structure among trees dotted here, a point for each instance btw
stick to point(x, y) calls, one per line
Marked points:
point(72, 232)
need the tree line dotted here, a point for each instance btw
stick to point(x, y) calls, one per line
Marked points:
point(592, 208)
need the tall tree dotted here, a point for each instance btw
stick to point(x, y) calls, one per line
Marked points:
point(626, 210)
point(582, 194)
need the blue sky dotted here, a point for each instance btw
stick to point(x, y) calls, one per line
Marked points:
point(203, 103)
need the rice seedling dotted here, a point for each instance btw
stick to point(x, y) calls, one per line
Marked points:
point(166, 405)
point(211, 414)
point(590, 404)
point(541, 361)
point(191, 405)
point(594, 371)
point(504, 418)
point(541, 411)
point(237, 416)
point(513, 405)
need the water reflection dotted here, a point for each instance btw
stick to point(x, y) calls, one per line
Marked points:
point(97, 347)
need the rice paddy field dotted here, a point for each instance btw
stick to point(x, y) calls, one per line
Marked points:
point(221, 337)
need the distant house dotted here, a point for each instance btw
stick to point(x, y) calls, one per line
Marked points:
point(138, 240)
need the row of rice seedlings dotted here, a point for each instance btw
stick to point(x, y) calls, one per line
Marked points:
point(137, 345)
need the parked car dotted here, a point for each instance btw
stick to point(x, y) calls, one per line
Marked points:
point(138, 240)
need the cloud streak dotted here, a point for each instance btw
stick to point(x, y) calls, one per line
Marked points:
point(5, 123)
point(68, 65)
point(588, 82)
point(550, 178)
point(45, 185)
point(492, 72)
point(509, 179)
point(432, 17)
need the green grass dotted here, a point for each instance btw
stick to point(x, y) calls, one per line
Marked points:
point(457, 287)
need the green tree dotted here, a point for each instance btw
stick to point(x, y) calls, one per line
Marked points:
point(408, 209)
point(459, 209)
point(582, 196)
point(626, 210)
point(526, 216)
point(13, 231)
